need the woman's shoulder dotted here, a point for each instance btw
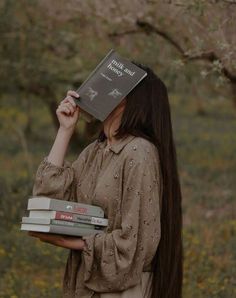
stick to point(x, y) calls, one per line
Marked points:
point(141, 149)
point(140, 145)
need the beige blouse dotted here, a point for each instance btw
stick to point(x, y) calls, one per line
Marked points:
point(124, 179)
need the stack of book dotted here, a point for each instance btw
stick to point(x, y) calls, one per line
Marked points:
point(63, 217)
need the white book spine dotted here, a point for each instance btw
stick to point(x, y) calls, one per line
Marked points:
point(64, 230)
point(68, 217)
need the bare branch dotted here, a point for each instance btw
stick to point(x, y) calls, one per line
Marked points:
point(148, 28)
point(229, 1)
point(123, 33)
point(211, 57)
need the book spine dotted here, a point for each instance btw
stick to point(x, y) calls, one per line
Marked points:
point(73, 231)
point(81, 218)
point(78, 208)
point(58, 229)
point(35, 220)
point(74, 224)
point(42, 213)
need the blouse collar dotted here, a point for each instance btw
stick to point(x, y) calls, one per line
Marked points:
point(118, 145)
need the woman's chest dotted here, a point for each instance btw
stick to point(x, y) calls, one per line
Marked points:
point(100, 184)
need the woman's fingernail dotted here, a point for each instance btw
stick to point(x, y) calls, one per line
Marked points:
point(77, 95)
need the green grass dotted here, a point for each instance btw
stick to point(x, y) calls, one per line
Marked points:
point(206, 147)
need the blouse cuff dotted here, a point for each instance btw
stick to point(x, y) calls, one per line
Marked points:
point(54, 181)
point(92, 245)
point(46, 168)
point(47, 164)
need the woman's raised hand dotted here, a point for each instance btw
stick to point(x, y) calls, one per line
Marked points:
point(68, 112)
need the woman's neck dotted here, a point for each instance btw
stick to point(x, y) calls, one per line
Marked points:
point(111, 124)
point(110, 128)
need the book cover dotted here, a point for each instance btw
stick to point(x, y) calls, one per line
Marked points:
point(47, 221)
point(112, 79)
point(68, 217)
point(45, 203)
point(59, 229)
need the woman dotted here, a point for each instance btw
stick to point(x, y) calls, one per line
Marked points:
point(130, 170)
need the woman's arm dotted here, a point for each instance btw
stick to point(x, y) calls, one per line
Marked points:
point(69, 242)
point(54, 177)
point(68, 115)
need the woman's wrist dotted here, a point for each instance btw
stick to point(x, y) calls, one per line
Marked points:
point(66, 131)
point(59, 148)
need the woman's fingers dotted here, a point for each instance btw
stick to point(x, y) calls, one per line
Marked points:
point(67, 106)
point(72, 93)
point(64, 109)
point(59, 240)
point(68, 111)
point(32, 233)
point(68, 99)
point(70, 102)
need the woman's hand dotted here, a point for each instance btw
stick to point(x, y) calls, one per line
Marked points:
point(68, 112)
point(60, 240)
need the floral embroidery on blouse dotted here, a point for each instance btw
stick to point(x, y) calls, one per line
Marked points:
point(126, 182)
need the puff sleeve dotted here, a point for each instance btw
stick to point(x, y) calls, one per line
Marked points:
point(114, 261)
point(59, 182)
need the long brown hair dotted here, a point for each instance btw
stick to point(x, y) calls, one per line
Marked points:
point(147, 114)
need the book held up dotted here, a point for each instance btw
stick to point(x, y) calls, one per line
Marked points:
point(106, 86)
point(63, 217)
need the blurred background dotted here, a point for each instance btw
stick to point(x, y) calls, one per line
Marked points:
point(48, 47)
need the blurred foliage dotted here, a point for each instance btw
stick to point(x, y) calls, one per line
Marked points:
point(28, 267)
point(45, 52)
point(209, 270)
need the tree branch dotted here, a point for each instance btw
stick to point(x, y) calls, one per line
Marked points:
point(148, 28)
point(229, 1)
